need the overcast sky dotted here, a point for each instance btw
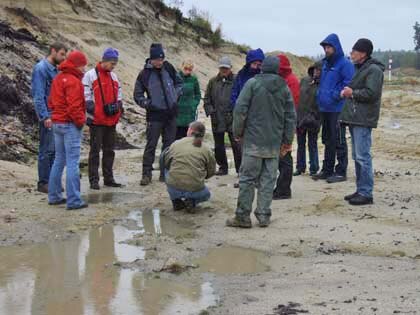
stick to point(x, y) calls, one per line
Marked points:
point(298, 26)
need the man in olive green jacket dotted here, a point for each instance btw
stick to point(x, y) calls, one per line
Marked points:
point(361, 114)
point(264, 119)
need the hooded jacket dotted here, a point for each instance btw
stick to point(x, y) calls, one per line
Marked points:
point(337, 72)
point(285, 71)
point(111, 89)
point(246, 73)
point(264, 115)
point(363, 109)
point(189, 100)
point(158, 90)
point(67, 101)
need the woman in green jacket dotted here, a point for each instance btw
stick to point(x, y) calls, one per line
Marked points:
point(189, 101)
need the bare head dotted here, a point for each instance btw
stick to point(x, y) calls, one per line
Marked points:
point(197, 130)
point(187, 67)
point(57, 53)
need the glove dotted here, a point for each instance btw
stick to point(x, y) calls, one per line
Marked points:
point(90, 107)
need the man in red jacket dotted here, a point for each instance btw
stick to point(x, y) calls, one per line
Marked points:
point(104, 107)
point(67, 104)
point(284, 180)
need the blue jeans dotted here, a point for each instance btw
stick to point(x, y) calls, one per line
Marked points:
point(68, 140)
point(197, 196)
point(46, 154)
point(312, 147)
point(361, 139)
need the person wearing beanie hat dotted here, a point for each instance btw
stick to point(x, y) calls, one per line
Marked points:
point(361, 113)
point(157, 89)
point(264, 119)
point(284, 180)
point(188, 164)
point(252, 67)
point(68, 107)
point(217, 106)
point(104, 108)
point(43, 74)
point(337, 72)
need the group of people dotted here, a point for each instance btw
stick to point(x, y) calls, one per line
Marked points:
point(259, 110)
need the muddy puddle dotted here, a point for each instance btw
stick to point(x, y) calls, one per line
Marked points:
point(78, 276)
point(111, 197)
point(233, 260)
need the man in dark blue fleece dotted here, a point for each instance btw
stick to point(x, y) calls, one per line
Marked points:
point(337, 72)
point(254, 59)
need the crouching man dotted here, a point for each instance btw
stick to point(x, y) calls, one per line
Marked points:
point(188, 163)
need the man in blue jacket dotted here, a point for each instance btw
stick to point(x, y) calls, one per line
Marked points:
point(158, 88)
point(43, 74)
point(337, 72)
point(254, 60)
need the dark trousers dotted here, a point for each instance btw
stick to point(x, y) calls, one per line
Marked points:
point(220, 151)
point(312, 136)
point(101, 138)
point(181, 132)
point(46, 154)
point(334, 139)
point(284, 180)
point(154, 130)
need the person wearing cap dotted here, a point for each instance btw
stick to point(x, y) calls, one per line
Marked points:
point(42, 75)
point(308, 121)
point(264, 119)
point(104, 107)
point(252, 67)
point(217, 105)
point(188, 163)
point(283, 188)
point(361, 113)
point(189, 100)
point(157, 90)
point(337, 72)
point(68, 114)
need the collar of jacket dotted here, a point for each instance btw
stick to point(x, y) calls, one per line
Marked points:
point(229, 78)
point(100, 69)
point(50, 66)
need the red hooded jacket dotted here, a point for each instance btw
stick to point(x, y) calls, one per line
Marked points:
point(285, 71)
point(111, 89)
point(66, 100)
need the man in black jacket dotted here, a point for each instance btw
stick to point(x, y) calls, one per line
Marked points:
point(361, 113)
point(157, 90)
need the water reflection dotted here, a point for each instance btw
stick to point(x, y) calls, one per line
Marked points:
point(77, 277)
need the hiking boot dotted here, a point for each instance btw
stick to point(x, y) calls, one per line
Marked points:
point(60, 202)
point(43, 188)
point(298, 173)
point(360, 200)
point(221, 172)
point(320, 176)
point(263, 223)
point(348, 197)
point(239, 223)
point(189, 205)
point(336, 179)
point(82, 206)
point(113, 183)
point(162, 178)
point(95, 186)
point(178, 204)
point(146, 180)
point(277, 196)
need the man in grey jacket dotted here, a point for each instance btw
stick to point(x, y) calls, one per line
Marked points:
point(157, 90)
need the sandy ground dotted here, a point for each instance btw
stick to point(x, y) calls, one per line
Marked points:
point(319, 252)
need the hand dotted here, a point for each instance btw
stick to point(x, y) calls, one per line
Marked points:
point(285, 148)
point(347, 92)
point(48, 123)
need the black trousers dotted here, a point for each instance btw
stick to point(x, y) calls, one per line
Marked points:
point(220, 150)
point(181, 132)
point(334, 139)
point(155, 129)
point(284, 180)
point(101, 138)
